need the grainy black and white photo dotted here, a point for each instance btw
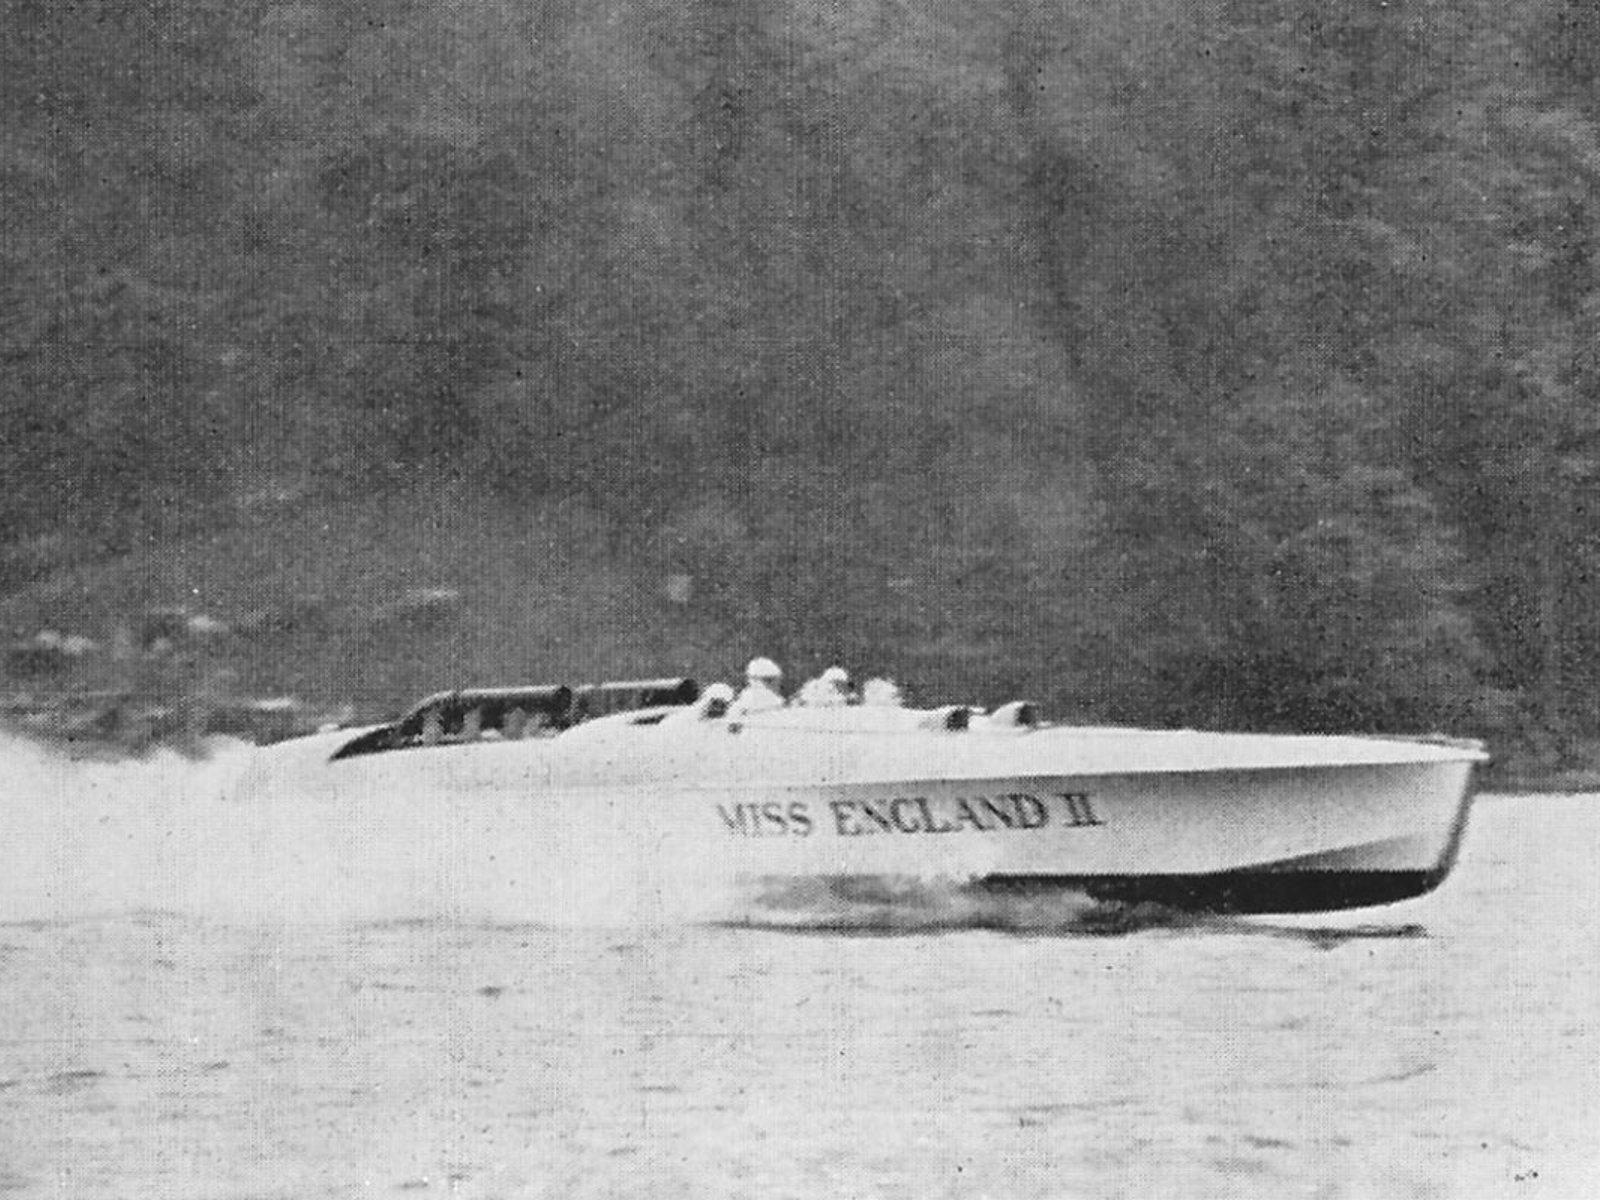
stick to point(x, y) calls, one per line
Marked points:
point(817, 599)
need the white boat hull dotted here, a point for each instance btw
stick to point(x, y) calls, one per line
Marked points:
point(1207, 822)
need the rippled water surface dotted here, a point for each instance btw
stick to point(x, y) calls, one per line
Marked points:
point(1445, 1047)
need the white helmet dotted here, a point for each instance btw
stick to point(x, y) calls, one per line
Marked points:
point(837, 676)
point(763, 669)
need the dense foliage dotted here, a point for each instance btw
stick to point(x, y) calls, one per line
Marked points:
point(1221, 360)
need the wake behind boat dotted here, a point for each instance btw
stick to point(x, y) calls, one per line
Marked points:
point(849, 794)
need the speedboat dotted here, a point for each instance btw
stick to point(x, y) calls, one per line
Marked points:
point(994, 801)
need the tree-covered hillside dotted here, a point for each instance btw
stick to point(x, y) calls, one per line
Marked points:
point(1222, 361)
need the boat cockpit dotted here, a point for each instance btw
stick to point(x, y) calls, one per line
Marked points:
point(513, 713)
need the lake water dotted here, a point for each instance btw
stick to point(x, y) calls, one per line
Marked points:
point(1446, 1047)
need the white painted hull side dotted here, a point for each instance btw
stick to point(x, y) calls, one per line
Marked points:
point(1237, 823)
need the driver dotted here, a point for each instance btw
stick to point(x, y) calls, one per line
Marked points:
point(831, 689)
point(760, 694)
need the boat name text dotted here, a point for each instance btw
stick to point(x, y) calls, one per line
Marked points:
point(910, 814)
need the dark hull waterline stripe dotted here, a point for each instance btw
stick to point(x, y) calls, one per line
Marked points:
point(1235, 891)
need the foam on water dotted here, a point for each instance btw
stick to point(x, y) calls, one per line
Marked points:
point(903, 903)
point(244, 835)
point(72, 828)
